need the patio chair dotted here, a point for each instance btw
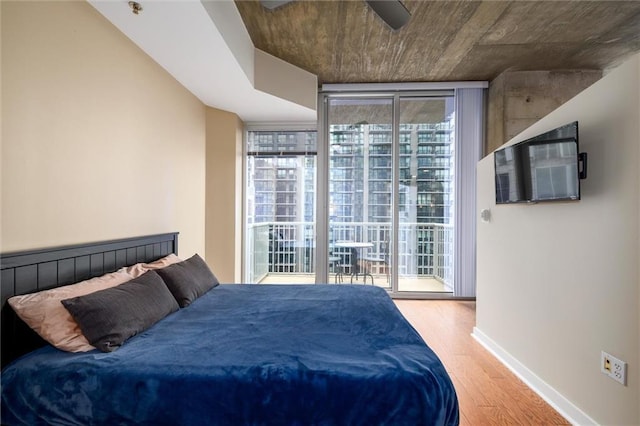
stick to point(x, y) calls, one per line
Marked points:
point(355, 267)
point(383, 261)
point(336, 266)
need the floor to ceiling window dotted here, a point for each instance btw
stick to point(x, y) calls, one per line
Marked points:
point(360, 190)
point(280, 206)
point(400, 186)
point(426, 164)
point(392, 188)
point(382, 194)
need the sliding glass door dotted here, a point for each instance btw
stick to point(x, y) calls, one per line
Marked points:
point(360, 190)
point(390, 184)
point(426, 194)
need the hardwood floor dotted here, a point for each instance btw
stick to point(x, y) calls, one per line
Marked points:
point(488, 393)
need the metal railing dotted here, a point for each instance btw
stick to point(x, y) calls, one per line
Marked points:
point(425, 249)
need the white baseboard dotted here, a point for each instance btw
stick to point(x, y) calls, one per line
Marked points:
point(561, 404)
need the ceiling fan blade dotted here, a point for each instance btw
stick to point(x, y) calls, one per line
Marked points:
point(273, 4)
point(393, 12)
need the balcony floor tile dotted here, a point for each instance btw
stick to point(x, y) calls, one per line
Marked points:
point(417, 284)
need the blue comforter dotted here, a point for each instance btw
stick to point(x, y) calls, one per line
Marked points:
point(246, 354)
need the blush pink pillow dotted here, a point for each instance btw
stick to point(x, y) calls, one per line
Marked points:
point(45, 314)
point(140, 268)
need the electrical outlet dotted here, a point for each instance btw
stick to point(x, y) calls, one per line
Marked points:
point(613, 367)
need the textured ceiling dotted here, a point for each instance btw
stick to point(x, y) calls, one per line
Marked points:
point(346, 42)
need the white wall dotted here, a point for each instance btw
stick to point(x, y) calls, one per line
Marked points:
point(559, 282)
point(286, 81)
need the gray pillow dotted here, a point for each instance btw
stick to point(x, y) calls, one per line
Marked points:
point(109, 317)
point(188, 280)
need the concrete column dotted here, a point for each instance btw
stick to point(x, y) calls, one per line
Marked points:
point(517, 99)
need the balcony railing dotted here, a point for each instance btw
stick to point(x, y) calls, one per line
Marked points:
point(425, 249)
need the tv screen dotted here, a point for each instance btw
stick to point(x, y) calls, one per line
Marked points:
point(543, 168)
point(554, 171)
point(509, 180)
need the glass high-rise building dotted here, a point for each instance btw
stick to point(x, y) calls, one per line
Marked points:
point(281, 193)
point(282, 174)
point(361, 170)
point(281, 171)
point(281, 189)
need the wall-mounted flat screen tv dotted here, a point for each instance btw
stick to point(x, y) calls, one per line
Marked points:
point(547, 167)
point(509, 180)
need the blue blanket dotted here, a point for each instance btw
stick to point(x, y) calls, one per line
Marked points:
point(246, 354)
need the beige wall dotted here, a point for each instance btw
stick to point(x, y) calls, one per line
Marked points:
point(98, 141)
point(224, 194)
point(559, 282)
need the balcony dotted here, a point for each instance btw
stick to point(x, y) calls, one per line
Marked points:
point(284, 253)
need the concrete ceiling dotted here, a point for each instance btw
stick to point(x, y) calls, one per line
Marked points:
point(209, 46)
point(345, 42)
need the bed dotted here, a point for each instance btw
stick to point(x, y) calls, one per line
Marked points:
point(239, 354)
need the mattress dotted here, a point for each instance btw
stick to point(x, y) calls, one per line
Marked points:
point(246, 354)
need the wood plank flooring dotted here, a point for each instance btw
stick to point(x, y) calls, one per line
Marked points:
point(488, 393)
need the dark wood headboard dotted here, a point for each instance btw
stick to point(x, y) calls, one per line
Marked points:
point(34, 270)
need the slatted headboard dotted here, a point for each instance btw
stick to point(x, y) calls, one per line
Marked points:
point(29, 271)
